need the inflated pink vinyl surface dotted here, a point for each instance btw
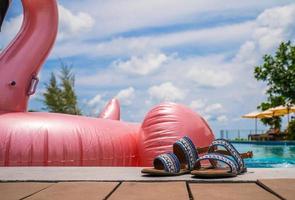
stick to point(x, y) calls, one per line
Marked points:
point(50, 139)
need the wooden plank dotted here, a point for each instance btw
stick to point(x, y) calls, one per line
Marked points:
point(285, 188)
point(230, 191)
point(76, 191)
point(150, 191)
point(13, 191)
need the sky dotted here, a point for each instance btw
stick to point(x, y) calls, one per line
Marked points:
point(200, 53)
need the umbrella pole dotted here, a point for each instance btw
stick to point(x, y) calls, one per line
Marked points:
point(255, 125)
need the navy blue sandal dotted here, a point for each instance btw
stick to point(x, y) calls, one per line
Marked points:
point(229, 164)
point(181, 161)
point(223, 167)
point(232, 152)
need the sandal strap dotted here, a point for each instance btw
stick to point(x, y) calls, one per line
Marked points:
point(232, 151)
point(218, 157)
point(188, 150)
point(169, 161)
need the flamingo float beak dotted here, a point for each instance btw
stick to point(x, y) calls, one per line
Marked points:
point(4, 4)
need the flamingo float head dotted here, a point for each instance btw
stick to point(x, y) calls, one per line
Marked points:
point(3, 10)
point(21, 61)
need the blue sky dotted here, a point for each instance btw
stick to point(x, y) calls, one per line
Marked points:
point(195, 52)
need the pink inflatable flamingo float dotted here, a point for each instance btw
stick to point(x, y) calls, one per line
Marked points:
point(50, 139)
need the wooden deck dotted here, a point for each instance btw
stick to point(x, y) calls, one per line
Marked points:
point(174, 190)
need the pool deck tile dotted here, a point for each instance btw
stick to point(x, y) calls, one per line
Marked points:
point(12, 191)
point(230, 191)
point(76, 191)
point(285, 188)
point(150, 191)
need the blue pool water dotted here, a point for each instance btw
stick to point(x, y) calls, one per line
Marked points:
point(268, 156)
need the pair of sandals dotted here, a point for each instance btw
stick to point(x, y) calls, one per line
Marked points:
point(185, 159)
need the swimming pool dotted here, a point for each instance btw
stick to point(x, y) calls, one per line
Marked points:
point(268, 156)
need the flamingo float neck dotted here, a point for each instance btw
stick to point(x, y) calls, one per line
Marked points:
point(21, 61)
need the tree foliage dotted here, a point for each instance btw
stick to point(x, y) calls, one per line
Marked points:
point(272, 102)
point(61, 98)
point(278, 72)
point(291, 130)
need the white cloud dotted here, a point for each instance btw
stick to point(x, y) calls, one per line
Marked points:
point(271, 27)
point(121, 16)
point(222, 118)
point(117, 17)
point(213, 111)
point(142, 65)
point(93, 106)
point(166, 92)
point(207, 71)
point(207, 117)
point(210, 77)
point(247, 53)
point(9, 29)
point(71, 24)
point(197, 104)
point(214, 108)
point(126, 96)
point(141, 45)
point(95, 100)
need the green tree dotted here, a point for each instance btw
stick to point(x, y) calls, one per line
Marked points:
point(272, 102)
point(61, 98)
point(278, 72)
point(291, 130)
